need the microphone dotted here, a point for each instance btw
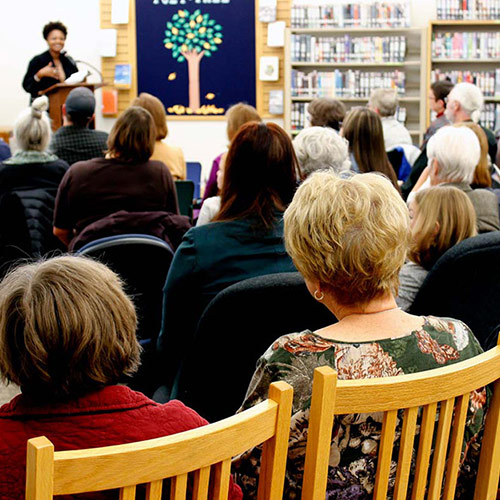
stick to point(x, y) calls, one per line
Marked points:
point(90, 66)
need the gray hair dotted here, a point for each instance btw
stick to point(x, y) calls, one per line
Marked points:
point(32, 128)
point(457, 151)
point(470, 98)
point(385, 101)
point(319, 148)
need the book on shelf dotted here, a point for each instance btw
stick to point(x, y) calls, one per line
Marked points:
point(487, 81)
point(349, 83)
point(466, 45)
point(345, 48)
point(490, 116)
point(345, 14)
point(299, 120)
point(468, 9)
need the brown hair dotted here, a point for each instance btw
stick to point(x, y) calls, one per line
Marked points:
point(239, 114)
point(441, 89)
point(260, 175)
point(363, 129)
point(66, 328)
point(326, 112)
point(445, 216)
point(157, 110)
point(133, 136)
point(482, 175)
point(349, 233)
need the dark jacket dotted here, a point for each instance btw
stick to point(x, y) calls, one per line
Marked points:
point(36, 64)
point(209, 259)
point(164, 225)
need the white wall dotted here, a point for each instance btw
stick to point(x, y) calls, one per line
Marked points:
point(21, 24)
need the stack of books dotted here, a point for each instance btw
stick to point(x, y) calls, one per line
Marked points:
point(487, 81)
point(350, 83)
point(468, 9)
point(466, 45)
point(341, 14)
point(327, 49)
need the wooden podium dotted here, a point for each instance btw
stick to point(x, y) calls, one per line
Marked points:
point(57, 97)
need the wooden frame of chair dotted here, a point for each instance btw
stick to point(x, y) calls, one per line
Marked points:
point(409, 392)
point(51, 473)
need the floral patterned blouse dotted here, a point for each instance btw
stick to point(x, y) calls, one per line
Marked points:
point(355, 438)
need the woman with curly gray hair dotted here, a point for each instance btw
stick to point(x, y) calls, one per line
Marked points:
point(320, 148)
point(348, 237)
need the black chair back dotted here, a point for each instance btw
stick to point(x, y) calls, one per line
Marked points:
point(235, 329)
point(142, 262)
point(465, 284)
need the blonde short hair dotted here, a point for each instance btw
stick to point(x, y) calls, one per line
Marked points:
point(452, 209)
point(157, 110)
point(239, 114)
point(351, 234)
point(66, 328)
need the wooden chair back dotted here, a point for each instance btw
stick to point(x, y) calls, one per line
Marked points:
point(450, 387)
point(195, 451)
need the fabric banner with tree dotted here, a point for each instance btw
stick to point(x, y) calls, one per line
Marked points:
point(197, 56)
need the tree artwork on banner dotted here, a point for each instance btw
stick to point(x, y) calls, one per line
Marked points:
point(190, 37)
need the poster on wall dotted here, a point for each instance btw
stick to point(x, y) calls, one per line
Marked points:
point(197, 56)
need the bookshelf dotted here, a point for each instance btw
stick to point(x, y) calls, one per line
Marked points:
point(347, 62)
point(467, 50)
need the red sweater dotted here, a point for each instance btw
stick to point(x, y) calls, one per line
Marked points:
point(113, 415)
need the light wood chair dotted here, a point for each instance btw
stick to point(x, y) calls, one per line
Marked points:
point(450, 386)
point(124, 466)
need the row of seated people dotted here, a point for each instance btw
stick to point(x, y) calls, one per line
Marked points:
point(67, 338)
point(258, 178)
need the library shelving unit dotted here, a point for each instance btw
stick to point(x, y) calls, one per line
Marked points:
point(462, 53)
point(410, 63)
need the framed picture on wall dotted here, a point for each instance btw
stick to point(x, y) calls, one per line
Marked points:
point(197, 56)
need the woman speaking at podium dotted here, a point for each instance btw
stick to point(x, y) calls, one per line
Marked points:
point(51, 67)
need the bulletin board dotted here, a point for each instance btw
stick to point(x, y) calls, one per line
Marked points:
point(197, 56)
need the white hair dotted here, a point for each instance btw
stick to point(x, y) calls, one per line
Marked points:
point(470, 98)
point(32, 129)
point(384, 101)
point(320, 148)
point(457, 151)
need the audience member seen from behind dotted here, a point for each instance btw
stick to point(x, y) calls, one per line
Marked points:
point(482, 175)
point(454, 153)
point(385, 103)
point(126, 180)
point(75, 141)
point(236, 116)
point(52, 66)
point(326, 112)
point(363, 130)
point(464, 104)
point(438, 94)
point(67, 337)
point(244, 240)
point(440, 217)
point(350, 258)
point(171, 156)
point(32, 167)
point(319, 148)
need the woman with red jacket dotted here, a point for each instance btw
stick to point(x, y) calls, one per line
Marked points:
point(67, 337)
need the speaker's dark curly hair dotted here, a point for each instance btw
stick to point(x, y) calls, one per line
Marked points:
point(54, 25)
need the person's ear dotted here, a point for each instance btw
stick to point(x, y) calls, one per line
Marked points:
point(437, 227)
point(64, 109)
